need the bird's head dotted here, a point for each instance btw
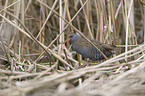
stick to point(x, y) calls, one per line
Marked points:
point(72, 38)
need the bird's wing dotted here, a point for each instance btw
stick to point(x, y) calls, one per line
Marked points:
point(82, 42)
point(103, 47)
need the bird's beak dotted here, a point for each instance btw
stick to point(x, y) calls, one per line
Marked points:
point(66, 40)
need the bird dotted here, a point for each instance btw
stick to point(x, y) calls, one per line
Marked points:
point(87, 50)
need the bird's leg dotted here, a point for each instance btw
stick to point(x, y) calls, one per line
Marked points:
point(99, 61)
point(78, 57)
point(87, 62)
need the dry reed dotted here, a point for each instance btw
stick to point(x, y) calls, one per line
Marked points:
point(34, 62)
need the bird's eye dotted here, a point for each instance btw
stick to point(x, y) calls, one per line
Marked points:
point(70, 36)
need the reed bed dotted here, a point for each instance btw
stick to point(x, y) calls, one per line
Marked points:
point(35, 62)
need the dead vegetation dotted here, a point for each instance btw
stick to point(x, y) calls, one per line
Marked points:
point(34, 62)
